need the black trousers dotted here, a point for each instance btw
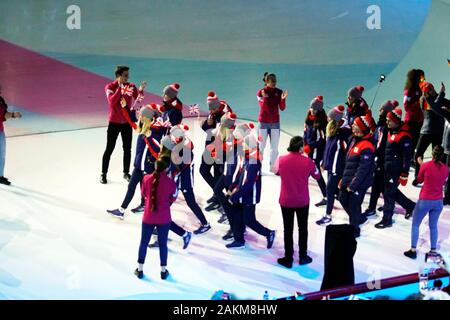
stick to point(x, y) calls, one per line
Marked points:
point(351, 202)
point(244, 215)
point(377, 189)
point(288, 225)
point(332, 190)
point(392, 195)
point(193, 205)
point(415, 133)
point(126, 132)
point(205, 171)
point(219, 188)
point(424, 142)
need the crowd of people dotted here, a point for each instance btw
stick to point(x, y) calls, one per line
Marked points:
point(356, 152)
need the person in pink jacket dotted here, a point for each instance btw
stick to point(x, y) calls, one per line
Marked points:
point(271, 100)
point(159, 192)
point(295, 168)
point(433, 174)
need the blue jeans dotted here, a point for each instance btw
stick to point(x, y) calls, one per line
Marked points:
point(434, 209)
point(271, 130)
point(147, 230)
point(2, 153)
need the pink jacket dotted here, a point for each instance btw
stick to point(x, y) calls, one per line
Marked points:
point(165, 196)
point(295, 169)
point(433, 176)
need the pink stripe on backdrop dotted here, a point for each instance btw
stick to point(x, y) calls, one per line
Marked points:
point(53, 88)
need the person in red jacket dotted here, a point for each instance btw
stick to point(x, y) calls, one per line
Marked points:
point(411, 102)
point(159, 191)
point(118, 124)
point(271, 100)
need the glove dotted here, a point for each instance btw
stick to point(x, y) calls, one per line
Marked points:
point(403, 180)
point(307, 149)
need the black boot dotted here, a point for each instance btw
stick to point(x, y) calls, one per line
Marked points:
point(127, 177)
point(4, 181)
point(305, 260)
point(103, 178)
point(410, 254)
point(164, 274)
point(139, 274)
point(285, 262)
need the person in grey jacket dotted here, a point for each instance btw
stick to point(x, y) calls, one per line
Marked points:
point(433, 124)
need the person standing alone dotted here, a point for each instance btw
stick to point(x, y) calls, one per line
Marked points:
point(118, 124)
point(294, 170)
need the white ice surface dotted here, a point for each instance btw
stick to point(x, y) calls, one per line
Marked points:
point(58, 242)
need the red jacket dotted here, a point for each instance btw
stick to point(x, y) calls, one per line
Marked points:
point(165, 196)
point(411, 102)
point(114, 93)
point(270, 105)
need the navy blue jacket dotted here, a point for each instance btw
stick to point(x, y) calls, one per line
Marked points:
point(357, 109)
point(142, 162)
point(379, 139)
point(172, 113)
point(315, 139)
point(216, 116)
point(399, 152)
point(247, 182)
point(359, 164)
point(335, 151)
point(142, 156)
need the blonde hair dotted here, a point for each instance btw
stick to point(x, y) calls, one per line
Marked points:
point(144, 125)
point(332, 128)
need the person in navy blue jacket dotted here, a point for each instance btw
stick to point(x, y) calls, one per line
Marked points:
point(356, 105)
point(358, 171)
point(397, 160)
point(173, 106)
point(338, 133)
point(217, 108)
point(380, 137)
point(146, 154)
point(314, 138)
point(179, 148)
point(245, 193)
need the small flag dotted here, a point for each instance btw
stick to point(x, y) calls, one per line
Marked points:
point(127, 91)
point(194, 109)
